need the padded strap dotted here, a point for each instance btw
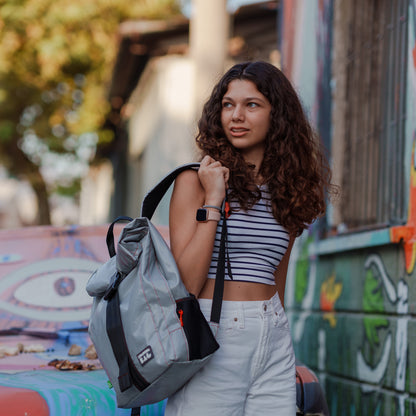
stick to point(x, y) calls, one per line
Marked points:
point(154, 196)
point(150, 203)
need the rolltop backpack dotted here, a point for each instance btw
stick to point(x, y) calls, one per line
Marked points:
point(149, 332)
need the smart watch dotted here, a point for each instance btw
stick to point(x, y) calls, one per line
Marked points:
point(204, 214)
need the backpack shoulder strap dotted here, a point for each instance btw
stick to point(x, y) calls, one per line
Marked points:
point(149, 205)
point(154, 196)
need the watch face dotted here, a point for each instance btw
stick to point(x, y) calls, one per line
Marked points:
point(201, 214)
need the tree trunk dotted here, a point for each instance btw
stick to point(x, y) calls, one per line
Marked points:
point(39, 186)
point(22, 166)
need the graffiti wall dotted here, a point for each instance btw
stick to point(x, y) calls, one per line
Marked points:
point(352, 298)
point(48, 366)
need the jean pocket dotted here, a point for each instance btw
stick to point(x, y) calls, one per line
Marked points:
point(229, 328)
point(280, 320)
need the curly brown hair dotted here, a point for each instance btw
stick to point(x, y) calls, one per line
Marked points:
point(294, 165)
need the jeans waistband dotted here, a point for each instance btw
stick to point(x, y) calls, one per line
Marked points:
point(248, 308)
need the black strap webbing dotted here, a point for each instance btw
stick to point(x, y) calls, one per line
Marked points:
point(115, 332)
point(219, 277)
point(110, 235)
point(154, 196)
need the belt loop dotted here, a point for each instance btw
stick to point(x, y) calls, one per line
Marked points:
point(241, 316)
point(276, 303)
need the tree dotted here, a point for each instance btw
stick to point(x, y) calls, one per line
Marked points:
point(56, 59)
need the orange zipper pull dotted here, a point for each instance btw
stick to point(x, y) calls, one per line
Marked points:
point(227, 209)
point(180, 312)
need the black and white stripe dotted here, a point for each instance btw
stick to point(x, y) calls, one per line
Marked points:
point(256, 243)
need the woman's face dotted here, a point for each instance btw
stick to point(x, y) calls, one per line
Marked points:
point(245, 118)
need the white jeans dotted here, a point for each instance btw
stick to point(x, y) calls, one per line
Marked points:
point(253, 371)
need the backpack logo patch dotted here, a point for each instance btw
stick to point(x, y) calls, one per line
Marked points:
point(145, 356)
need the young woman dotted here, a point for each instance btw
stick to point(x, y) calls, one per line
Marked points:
point(258, 149)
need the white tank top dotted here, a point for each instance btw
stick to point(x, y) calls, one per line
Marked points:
point(256, 243)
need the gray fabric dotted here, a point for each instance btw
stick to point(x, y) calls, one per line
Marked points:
point(148, 297)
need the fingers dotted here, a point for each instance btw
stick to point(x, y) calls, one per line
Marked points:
point(208, 161)
point(214, 178)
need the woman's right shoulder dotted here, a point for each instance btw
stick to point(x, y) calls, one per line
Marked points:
point(189, 179)
point(189, 176)
point(188, 185)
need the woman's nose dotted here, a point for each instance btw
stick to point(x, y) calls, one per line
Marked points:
point(238, 114)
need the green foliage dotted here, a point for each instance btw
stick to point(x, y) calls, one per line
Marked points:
point(59, 54)
point(56, 59)
point(6, 131)
point(72, 189)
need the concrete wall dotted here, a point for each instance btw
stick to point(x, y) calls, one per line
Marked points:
point(352, 299)
point(161, 128)
point(96, 191)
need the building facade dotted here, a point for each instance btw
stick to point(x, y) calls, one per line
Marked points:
point(352, 292)
point(164, 72)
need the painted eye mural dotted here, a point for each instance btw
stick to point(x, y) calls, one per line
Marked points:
point(44, 304)
point(43, 274)
point(49, 290)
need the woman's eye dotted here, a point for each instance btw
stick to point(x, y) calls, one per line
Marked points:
point(252, 105)
point(226, 104)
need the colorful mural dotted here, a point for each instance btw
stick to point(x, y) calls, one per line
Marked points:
point(407, 234)
point(373, 372)
point(353, 302)
point(45, 369)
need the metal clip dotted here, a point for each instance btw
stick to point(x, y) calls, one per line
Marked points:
point(112, 288)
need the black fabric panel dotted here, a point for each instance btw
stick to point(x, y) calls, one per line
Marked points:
point(201, 341)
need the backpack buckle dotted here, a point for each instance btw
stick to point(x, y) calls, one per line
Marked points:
point(112, 288)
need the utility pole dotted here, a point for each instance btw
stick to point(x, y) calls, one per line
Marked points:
point(209, 33)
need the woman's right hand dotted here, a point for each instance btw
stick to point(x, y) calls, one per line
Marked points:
point(191, 241)
point(214, 179)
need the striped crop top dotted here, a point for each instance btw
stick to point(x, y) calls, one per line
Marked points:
point(256, 243)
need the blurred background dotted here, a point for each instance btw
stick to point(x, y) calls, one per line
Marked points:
point(100, 99)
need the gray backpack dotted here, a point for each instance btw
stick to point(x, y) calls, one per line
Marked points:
point(149, 332)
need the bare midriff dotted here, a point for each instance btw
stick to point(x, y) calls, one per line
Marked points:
point(239, 291)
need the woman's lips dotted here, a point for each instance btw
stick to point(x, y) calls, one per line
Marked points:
point(238, 131)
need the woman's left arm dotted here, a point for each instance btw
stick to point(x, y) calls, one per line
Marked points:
point(280, 274)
